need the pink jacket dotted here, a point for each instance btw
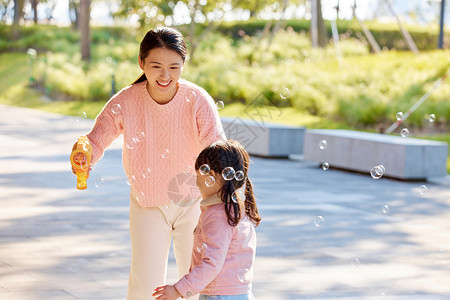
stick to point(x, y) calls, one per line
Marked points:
point(161, 142)
point(223, 255)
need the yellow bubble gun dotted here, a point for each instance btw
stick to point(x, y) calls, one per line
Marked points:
point(80, 158)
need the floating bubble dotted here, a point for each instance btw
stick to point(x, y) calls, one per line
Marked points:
point(323, 144)
point(237, 196)
point(204, 169)
point(220, 104)
point(385, 209)
point(191, 95)
point(355, 262)
point(99, 182)
point(210, 181)
point(165, 153)
point(399, 116)
point(81, 116)
point(228, 173)
point(98, 166)
point(423, 189)
point(431, 118)
point(140, 197)
point(382, 296)
point(116, 109)
point(377, 172)
point(239, 175)
point(242, 275)
point(147, 172)
point(285, 93)
point(140, 136)
point(319, 221)
point(188, 170)
point(404, 132)
point(131, 143)
point(325, 166)
point(201, 247)
point(131, 181)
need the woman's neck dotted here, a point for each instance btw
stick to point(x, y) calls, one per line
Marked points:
point(161, 99)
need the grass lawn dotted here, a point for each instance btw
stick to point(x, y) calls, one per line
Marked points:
point(15, 90)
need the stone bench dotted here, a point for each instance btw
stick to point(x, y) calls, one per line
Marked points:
point(264, 138)
point(403, 158)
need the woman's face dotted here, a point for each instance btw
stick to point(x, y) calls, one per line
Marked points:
point(163, 68)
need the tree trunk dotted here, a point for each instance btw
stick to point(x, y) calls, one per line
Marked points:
point(74, 14)
point(85, 39)
point(18, 15)
point(318, 33)
point(34, 4)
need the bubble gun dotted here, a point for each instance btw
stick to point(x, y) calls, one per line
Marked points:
point(80, 158)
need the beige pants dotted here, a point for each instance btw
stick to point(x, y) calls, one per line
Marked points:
point(151, 231)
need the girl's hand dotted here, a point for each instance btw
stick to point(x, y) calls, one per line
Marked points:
point(166, 292)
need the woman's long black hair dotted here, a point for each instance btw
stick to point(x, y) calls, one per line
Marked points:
point(162, 37)
point(231, 153)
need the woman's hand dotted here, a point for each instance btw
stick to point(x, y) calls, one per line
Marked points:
point(166, 292)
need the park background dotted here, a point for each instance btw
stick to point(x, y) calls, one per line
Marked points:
point(70, 56)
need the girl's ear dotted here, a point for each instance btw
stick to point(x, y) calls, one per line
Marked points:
point(141, 63)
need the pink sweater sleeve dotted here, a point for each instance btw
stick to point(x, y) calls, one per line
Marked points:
point(107, 127)
point(217, 235)
point(208, 122)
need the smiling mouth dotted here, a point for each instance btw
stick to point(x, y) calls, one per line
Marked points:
point(163, 84)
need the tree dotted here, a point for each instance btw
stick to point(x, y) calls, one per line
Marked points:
point(85, 9)
point(18, 16)
point(74, 9)
point(318, 33)
point(34, 4)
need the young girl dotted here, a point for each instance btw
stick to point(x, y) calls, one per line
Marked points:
point(224, 239)
point(166, 121)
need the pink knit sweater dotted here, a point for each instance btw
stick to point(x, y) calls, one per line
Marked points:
point(161, 141)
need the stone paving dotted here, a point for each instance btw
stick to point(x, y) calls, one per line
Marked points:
point(378, 239)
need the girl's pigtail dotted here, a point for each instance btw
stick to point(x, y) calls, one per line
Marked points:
point(231, 207)
point(250, 204)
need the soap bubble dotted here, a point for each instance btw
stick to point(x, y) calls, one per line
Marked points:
point(285, 93)
point(204, 169)
point(99, 182)
point(140, 197)
point(228, 173)
point(190, 96)
point(140, 136)
point(116, 109)
point(423, 189)
point(210, 181)
point(404, 132)
point(165, 153)
point(147, 172)
point(219, 104)
point(319, 221)
point(355, 262)
point(201, 247)
point(81, 116)
point(239, 175)
point(242, 275)
point(377, 172)
point(238, 195)
point(188, 170)
point(431, 118)
point(323, 144)
point(131, 143)
point(385, 209)
point(325, 166)
point(399, 116)
point(131, 181)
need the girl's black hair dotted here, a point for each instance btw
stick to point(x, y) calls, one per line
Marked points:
point(231, 153)
point(162, 37)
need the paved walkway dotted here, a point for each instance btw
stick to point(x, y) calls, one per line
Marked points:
point(380, 239)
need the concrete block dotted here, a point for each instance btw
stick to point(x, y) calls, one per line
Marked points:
point(264, 138)
point(403, 158)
